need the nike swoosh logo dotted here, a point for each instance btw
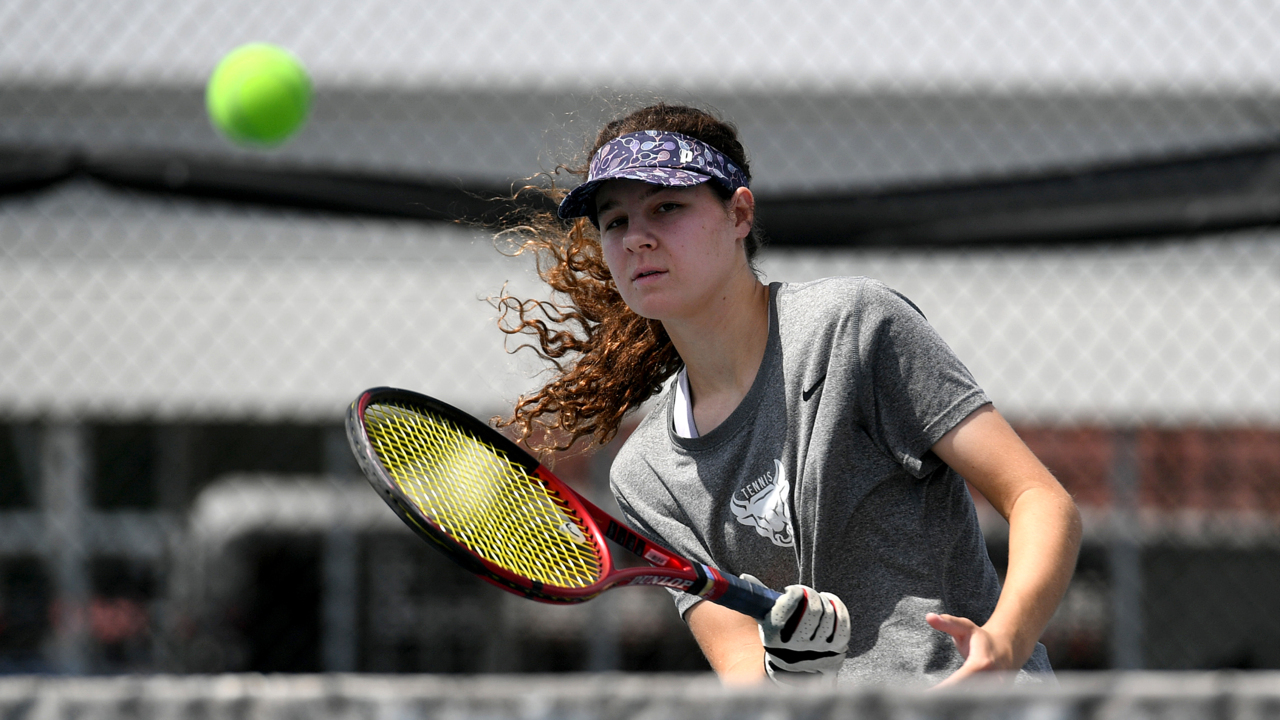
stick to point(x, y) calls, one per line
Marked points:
point(809, 393)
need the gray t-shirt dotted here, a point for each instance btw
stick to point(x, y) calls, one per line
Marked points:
point(823, 476)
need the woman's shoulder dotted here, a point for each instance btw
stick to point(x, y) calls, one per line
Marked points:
point(839, 296)
point(649, 437)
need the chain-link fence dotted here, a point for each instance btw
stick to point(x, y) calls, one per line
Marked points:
point(1080, 196)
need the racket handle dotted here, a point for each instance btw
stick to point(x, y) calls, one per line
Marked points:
point(747, 598)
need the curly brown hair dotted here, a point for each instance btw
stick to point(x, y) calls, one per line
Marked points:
point(606, 359)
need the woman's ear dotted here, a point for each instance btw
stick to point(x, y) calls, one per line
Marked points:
point(742, 208)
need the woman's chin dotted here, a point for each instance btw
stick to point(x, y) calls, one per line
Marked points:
point(649, 305)
point(649, 313)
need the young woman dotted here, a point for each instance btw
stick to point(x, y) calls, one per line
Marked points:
point(813, 436)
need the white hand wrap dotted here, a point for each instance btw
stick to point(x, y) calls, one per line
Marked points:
point(805, 636)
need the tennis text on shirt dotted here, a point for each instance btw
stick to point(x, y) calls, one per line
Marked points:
point(765, 504)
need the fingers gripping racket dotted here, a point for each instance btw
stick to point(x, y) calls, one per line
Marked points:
point(496, 511)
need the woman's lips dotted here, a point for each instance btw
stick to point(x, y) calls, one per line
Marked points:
point(647, 274)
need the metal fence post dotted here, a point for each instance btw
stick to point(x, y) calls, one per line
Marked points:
point(604, 648)
point(1126, 554)
point(64, 469)
point(341, 559)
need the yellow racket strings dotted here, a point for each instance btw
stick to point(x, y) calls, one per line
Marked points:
point(485, 502)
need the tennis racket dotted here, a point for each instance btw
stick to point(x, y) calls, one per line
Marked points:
point(496, 511)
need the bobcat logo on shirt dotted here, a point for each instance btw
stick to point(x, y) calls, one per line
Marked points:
point(763, 504)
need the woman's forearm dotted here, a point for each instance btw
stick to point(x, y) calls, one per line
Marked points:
point(1044, 540)
point(730, 641)
point(1044, 537)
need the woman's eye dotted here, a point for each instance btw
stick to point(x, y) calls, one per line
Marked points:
point(668, 206)
point(615, 222)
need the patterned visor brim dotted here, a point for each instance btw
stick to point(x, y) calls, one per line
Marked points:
point(655, 157)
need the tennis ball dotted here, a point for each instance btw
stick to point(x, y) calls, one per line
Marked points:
point(258, 95)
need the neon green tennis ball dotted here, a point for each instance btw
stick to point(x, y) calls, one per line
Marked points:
point(259, 94)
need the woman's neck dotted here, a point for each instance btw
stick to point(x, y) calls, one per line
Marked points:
point(722, 347)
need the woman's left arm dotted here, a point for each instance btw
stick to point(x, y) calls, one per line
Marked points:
point(1044, 539)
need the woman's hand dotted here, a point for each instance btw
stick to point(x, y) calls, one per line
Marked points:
point(802, 641)
point(982, 650)
point(805, 636)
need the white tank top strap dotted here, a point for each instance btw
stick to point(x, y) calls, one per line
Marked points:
point(683, 410)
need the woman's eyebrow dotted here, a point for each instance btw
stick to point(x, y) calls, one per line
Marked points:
point(650, 192)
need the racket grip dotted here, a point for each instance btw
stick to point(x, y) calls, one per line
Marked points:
point(747, 598)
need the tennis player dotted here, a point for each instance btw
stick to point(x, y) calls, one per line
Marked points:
point(814, 436)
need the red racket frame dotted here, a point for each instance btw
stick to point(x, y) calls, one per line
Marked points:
point(667, 569)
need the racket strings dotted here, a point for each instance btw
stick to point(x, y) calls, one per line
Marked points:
point(485, 502)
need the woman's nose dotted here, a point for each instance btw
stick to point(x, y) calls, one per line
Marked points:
point(639, 235)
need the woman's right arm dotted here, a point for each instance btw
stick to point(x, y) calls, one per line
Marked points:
point(731, 642)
